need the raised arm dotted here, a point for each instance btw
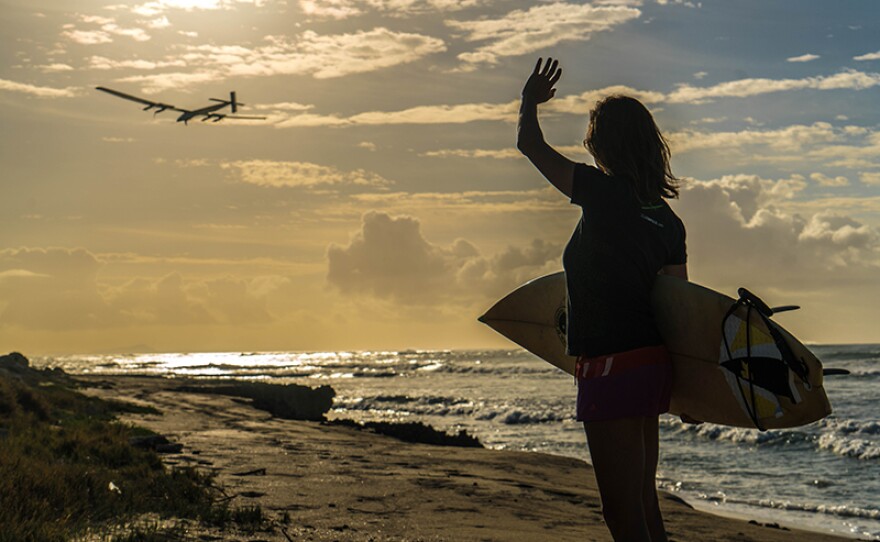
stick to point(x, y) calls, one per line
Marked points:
point(556, 168)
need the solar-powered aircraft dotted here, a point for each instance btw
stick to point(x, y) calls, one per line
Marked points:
point(207, 113)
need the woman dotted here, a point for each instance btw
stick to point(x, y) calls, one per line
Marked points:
point(627, 234)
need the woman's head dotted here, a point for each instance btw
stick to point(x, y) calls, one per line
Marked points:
point(626, 142)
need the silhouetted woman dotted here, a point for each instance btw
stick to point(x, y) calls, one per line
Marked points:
point(627, 234)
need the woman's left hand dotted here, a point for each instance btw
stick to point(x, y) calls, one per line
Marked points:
point(539, 87)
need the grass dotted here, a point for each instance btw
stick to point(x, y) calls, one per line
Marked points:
point(67, 467)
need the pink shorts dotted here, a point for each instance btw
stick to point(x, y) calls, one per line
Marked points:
point(629, 384)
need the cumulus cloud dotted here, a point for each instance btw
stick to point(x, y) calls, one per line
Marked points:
point(803, 58)
point(34, 90)
point(540, 27)
point(390, 258)
point(280, 174)
point(740, 234)
point(847, 79)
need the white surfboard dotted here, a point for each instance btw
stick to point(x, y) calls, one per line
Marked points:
point(738, 377)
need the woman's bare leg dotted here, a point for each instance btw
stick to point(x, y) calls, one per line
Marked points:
point(649, 491)
point(617, 448)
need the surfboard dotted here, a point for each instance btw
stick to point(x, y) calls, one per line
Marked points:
point(730, 365)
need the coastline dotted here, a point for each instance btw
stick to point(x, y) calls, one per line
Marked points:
point(339, 483)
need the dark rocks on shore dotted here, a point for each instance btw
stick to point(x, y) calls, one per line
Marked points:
point(158, 443)
point(414, 432)
point(288, 401)
point(17, 365)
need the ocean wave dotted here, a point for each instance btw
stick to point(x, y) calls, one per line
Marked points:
point(849, 447)
point(849, 427)
point(515, 416)
point(404, 404)
point(737, 435)
point(842, 510)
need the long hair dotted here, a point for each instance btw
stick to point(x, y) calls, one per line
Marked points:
point(626, 142)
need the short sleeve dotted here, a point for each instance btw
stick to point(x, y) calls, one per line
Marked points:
point(679, 250)
point(592, 187)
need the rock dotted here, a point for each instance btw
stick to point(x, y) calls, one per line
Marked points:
point(290, 401)
point(415, 432)
point(14, 361)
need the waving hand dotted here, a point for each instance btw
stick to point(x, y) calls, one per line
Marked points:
point(539, 86)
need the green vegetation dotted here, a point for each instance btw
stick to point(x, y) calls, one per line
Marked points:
point(66, 467)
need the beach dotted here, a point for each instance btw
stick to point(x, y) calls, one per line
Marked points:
point(331, 482)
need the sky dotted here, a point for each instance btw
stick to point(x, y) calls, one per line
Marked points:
point(382, 204)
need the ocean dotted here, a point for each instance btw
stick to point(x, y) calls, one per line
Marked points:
point(822, 477)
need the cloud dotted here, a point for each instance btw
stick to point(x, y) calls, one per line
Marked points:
point(284, 106)
point(465, 113)
point(308, 53)
point(343, 9)
point(497, 154)
point(425, 114)
point(281, 174)
point(50, 288)
point(108, 28)
point(870, 177)
point(825, 180)
point(739, 234)
point(87, 37)
point(33, 90)
point(59, 289)
point(787, 139)
point(847, 79)
point(160, 7)
point(56, 67)
point(581, 104)
point(104, 63)
point(803, 58)
point(540, 27)
point(390, 258)
point(153, 84)
point(868, 56)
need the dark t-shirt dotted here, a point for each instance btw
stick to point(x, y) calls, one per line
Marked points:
point(611, 262)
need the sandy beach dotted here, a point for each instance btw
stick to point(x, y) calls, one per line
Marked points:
point(338, 483)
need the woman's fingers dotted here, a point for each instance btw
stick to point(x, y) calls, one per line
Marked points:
point(556, 77)
point(538, 66)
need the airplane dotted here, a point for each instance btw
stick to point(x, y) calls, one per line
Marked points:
point(207, 112)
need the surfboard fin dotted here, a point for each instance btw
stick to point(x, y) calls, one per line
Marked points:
point(785, 308)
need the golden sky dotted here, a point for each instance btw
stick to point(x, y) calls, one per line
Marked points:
point(382, 204)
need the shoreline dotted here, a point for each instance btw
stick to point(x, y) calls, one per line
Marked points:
point(339, 483)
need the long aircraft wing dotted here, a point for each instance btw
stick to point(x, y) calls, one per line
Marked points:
point(150, 105)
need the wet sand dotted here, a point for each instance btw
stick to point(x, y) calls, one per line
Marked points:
point(338, 483)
